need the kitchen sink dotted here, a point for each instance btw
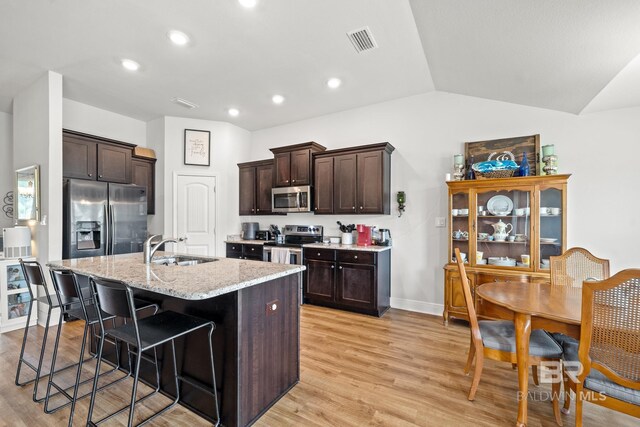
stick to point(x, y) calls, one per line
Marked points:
point(181, 260)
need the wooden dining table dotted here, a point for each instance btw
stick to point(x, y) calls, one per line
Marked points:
point(554, 308)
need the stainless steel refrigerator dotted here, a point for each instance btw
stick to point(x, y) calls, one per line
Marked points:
point(103, 219)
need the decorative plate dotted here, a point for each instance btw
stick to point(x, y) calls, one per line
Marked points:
point(500, 205)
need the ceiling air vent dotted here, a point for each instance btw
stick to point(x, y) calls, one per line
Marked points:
point(184, 103)
point(362, 39)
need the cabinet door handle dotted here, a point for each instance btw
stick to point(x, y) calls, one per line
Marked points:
point(340, 267)
point(252, 210)
point(333, 267)
point(354, 208)
point(355, 257)
point(90, 174)
point(258, 210)
point(318, 253)
point(293, 180)
point(316, 209)
point(360, 207)
point(253, 249)
point(286, 180)
point(99, 176)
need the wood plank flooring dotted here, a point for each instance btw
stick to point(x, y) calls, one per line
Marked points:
point(404, 369)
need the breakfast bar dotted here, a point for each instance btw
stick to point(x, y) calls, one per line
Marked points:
point(255, 307)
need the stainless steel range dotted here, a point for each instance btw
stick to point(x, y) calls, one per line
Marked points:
point(294, 237)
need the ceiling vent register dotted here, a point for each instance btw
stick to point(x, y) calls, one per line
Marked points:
point(184, 103)
point(362, 39)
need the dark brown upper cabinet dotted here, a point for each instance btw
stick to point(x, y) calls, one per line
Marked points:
point(256, 181)
point(293, 164)
point(114, 163)
point(94, 158)
point(360, 183)
point(143, 173)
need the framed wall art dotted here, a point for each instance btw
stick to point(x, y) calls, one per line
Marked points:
point(502, 148)
point(197, 147)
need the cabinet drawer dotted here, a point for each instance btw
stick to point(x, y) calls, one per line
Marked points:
point(487, 278)
point(234, 249)
point(253, 251)
point(324, 254)
point(359, 257)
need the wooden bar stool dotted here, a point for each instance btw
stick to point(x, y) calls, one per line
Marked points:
point(116, 298)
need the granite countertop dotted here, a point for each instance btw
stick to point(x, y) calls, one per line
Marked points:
point(342, 247)
point(194, 282)
point(248, 242)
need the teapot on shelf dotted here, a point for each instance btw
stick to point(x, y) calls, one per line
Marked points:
point(500, 231)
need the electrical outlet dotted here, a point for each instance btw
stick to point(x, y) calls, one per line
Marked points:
point(441, 221)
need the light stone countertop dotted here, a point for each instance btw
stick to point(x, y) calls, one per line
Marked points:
point(194, 282)
point(342, 247)
point(248, 242)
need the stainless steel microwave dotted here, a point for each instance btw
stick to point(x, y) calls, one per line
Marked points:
point(291, 199)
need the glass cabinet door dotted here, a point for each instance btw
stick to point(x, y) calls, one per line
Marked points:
point(18, 295)
point(503, 228)
point(551, 225)
point(459, 225)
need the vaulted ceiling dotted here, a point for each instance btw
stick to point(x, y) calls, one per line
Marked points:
point(570, 55)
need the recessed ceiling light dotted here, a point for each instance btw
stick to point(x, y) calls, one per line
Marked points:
point(178, 37)
point(334, 82)
point(233, 112)
point(278, 99)
point(248, 3)
point(130, 64)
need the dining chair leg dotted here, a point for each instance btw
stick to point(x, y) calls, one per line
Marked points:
point(555, 400)
point(578, 405)
point(41, 359)
point(534, 374)
point(95, 380)
point(54, 358)
point(135, 387)
point(213, 376)
point(472, 353)
point(78, 374)
point(567, 393)
point(476, 376)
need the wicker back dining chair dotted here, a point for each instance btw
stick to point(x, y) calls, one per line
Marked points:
point(577, 265)
point(609, 347)
point(496, 340)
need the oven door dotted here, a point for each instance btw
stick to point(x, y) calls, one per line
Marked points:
point(295, 255)
point(291, 199)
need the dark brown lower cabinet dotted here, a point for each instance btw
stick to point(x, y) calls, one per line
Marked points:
point(349, 280)
point(244, 251)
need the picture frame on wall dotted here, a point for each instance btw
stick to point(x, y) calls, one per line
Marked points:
point(197, 147)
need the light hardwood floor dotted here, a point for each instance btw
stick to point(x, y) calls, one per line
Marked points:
point(404, 369)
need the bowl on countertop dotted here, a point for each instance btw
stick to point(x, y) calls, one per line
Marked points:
point(334, 240)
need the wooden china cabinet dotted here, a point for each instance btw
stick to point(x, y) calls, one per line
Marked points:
point(500, 224)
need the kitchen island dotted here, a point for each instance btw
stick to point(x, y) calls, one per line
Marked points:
point(255, 306)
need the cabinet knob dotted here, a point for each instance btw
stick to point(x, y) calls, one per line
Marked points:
point(318, 253)
point(258, 210)
point(340, 267)
point(353, 207)
point(90, 174)
point(333, 267)
point(316, 209)
point(252, 210)
point(293, 180)
point(355, 257)
point(286, 180)
point(253, 249)
point(360, 207)
point(99, 176)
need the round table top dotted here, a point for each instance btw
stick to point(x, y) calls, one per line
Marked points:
point(556, 302)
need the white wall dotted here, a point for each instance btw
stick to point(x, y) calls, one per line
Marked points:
point(96, 121)
point(229, 146)
point(37, 139)
point(6, 164)
point(599, 149)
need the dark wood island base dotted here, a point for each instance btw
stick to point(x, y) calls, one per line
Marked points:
point(256, 349)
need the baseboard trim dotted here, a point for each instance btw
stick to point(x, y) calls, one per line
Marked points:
point(418, 306)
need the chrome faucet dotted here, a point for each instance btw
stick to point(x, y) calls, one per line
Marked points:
point(150, 249)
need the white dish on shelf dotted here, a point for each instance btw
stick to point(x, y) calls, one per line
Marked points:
point(500, 261)
point(500, 205)
point(547, 240)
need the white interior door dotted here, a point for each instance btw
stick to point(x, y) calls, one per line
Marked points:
point(195, 214)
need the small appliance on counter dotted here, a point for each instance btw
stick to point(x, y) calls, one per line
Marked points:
point(364, 235)
point(249, 230)
point(263, 235)
point(385, 237)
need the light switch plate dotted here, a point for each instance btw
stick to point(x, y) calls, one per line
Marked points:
point(441, 221)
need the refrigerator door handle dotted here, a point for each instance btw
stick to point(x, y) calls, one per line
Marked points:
point(107, 229)
point(112, 218)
